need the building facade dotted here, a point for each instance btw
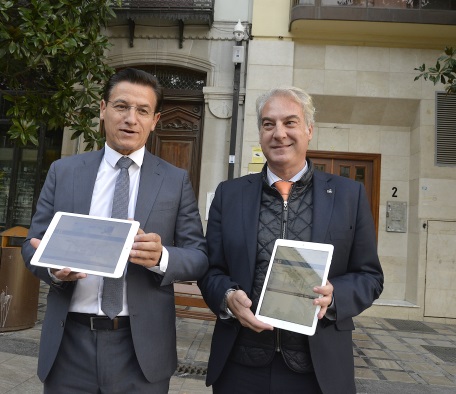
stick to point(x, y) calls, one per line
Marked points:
point(374, 123)
point(357, 60)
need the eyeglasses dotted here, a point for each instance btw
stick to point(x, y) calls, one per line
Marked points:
point(123, 109)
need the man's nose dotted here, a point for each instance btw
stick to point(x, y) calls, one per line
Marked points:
point(280, 131)
point(132, 115)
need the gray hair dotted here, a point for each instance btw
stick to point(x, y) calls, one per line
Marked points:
point(297, 94)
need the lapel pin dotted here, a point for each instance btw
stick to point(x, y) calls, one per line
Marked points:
point(329, 191)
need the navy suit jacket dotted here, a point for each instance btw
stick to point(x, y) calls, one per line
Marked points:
point(341, 217)
point(165, 205)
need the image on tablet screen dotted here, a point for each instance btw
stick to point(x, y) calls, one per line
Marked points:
point(78, 242)
point(294, 273)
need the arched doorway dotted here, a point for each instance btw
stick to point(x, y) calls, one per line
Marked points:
point(178, 136)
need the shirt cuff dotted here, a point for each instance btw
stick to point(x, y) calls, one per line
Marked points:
point(54, 278)
point(331, 313)
point(163, 265)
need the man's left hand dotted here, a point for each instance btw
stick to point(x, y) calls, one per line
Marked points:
point(146, 250)
point(327, 293)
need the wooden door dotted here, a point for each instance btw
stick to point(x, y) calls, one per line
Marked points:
point(361, 167)
point(178, 137)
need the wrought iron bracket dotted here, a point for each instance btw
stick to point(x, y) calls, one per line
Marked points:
point(131, 30)
point(181, 33)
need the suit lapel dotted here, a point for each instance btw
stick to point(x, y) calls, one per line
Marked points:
point(85, 176)
point(149, 185)
point(251, 200)
point(323, 203)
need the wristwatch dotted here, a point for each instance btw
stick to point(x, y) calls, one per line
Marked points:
point(225, 304)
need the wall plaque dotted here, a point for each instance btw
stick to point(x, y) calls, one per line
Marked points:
point(396, 216)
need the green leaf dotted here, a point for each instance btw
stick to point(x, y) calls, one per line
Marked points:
point(12, 47)
point(50, 49)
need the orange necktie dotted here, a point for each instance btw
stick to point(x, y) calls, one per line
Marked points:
point(284, 188)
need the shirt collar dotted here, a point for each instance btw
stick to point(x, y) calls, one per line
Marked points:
point(272, 178)
point(112, 156)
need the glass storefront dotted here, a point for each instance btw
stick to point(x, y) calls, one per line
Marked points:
point(20, 182)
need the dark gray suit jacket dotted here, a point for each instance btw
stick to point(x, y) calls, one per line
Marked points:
point(341, 217)
point(167, 206)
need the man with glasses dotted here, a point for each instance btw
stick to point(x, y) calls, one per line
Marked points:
point(82, 350)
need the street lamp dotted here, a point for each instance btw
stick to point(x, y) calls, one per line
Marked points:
point(238, 59)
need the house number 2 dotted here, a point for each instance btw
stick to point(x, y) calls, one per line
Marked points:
point(394, 189)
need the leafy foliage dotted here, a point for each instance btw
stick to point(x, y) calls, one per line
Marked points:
point(52, 65)
point(444, 71)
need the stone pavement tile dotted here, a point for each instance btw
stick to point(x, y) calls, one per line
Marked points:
point(441, 342)
point(386, 364)
point(398, 376)
point(202, 356)
point(359, 362)
point(30, 386)
point(5, 387)
point(360, 336)
point(23, 364)
point(415, 341)
point(4, 356)
point(188, 386)
point(367, 344)
point(437, 380)
point(365, 373)
point(397, 347)
point(12, 375)
point(407, 356)
point(421, 368)
point(386, 339)
point(368, 322)
point(385, 387)
point(372, 353)
point(451, 369)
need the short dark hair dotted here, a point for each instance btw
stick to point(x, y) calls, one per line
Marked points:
point(135, 76)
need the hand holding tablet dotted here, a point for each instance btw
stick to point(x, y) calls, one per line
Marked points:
point(89, 244)
point(295, 268)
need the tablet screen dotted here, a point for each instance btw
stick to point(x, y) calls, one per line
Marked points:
point(295, 268)
point(86, 244)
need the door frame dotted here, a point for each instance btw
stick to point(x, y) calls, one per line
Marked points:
point(374, 158)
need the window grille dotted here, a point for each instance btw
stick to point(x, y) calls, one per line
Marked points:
point(177, 78)
point(445, 129)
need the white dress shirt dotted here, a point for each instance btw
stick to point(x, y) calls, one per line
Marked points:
point(273, 178)
point(88, 291)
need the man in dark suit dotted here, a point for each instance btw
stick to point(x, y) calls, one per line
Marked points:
point(82, 350)
point(247, 215)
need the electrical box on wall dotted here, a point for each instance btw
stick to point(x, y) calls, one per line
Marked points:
point(238, 54)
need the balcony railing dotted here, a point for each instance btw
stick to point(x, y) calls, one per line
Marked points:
point(442, 12)
point(195, 11)
point(404, 4)
point(172, 12)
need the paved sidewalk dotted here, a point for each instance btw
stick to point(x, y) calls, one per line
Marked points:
point(391, 356)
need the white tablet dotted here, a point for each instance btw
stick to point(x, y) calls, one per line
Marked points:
point(90, 244)
point(295, 268)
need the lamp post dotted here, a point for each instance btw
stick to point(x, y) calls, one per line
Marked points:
point(238, 59)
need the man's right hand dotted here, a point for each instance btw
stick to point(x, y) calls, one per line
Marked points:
point(63, 274)
point(239, 305)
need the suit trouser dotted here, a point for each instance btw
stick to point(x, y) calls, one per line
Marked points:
point(275, 378)
point(98, 362)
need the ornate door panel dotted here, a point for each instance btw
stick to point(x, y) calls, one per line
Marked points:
point(177, 137)
point(364, 168)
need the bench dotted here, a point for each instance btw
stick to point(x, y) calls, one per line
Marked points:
point(190, 303)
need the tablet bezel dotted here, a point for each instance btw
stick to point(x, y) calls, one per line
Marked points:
point(122, 258)
point(280, 322)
